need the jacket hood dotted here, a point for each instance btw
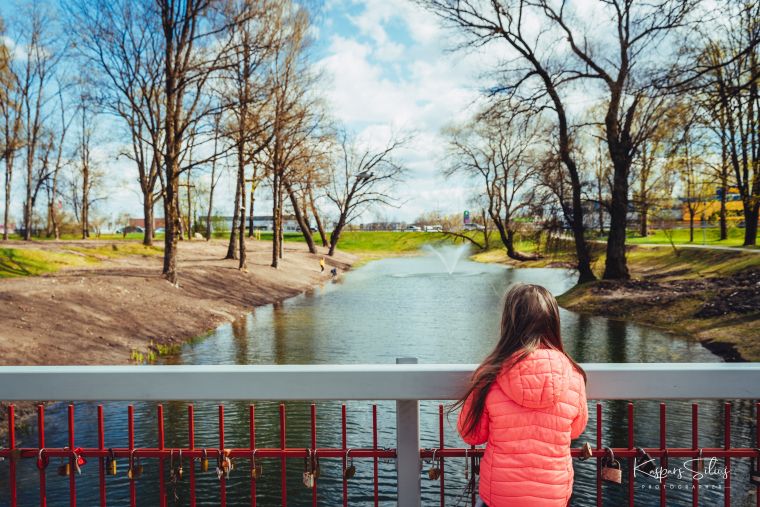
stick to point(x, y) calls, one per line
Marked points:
point(539, 380)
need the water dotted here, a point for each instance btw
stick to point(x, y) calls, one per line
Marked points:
point(387, 309)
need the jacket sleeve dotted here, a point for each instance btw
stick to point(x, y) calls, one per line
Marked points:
point(579, 423)
point(480, 434)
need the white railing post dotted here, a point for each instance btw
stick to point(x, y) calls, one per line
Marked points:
point(408, 447)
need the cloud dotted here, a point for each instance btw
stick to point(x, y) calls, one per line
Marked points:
point(389, 70)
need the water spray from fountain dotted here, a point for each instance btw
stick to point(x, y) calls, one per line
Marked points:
point(448, 255)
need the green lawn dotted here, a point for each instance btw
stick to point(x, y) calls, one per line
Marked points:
point(31, 262)
point(681, 236)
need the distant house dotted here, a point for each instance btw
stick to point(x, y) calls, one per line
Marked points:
point(140, 222)
point(11, 228)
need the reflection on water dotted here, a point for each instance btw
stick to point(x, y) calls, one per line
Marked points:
point(387, 309)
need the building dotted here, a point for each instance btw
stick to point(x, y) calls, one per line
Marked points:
point(11, 228)
point(260, 223)
point(140, 222)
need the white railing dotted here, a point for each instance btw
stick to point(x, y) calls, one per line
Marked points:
point(405, 382)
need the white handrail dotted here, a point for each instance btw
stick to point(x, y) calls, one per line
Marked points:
point(356, 382)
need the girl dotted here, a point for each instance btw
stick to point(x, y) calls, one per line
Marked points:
point(527, 401)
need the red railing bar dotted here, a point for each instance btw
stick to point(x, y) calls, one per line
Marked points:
point(473, 494)
point(344, 442)
point(101, 461)
point(374, 459)
point(695, 446)
point(631, 487)
point(12, 446)
point(191, 446)
point(131, 443)
point(252, 440)
point(72, 461)
point(41, 443)
point(222, 480)
point(599, 453)
point(161, 471)
point(283, 461)
point(727, 445)
point(313, 447)
point(441, 446)
point(664, 458)
point(757, 443)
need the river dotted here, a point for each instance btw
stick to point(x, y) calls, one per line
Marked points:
point(398, 307)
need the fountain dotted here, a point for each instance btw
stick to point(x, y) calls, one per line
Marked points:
point(448, 255)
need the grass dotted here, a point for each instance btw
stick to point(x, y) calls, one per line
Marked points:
point(710, 236)
point(15, 262)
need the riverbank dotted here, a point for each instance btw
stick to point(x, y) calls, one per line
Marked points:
point(103, 311)
point(711, 295)
point(104, 302)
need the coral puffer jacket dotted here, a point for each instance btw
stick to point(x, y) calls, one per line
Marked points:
point(532, 412)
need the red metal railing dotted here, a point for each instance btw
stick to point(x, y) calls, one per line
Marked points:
point(224, 456)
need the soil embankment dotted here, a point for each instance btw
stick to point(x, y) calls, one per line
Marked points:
point(711, 296)
point(100, 313)
point(104, 312)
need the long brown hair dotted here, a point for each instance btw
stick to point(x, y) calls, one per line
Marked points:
point(530, 321)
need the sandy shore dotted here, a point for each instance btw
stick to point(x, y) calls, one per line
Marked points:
point(100, 313)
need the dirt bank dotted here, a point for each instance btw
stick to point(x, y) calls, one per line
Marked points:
point(98, 314)
point(103, 312)
point(715, 300)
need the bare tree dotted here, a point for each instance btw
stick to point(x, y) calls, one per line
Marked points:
point(500, 149)
point(121, 39)
point(361, 177)
point(12, 120)
point(533, 73)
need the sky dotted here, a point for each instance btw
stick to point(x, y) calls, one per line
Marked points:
point(391, 70)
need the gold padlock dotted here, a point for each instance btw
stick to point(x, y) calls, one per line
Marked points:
point(204, 461)
point(111, 462)
point(64, 470)
point(611, 470)
point(308, 474)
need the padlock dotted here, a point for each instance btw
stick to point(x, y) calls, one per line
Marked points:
point(180, 471)
point(308, 472)
point(466, 466)
point(204, 461)
point(434, 473)
point(611, 470)
point(256, 468)
point(700, 465)
point(111, 463)
point(350, 471)
point(42, 460)
point(64, 470)
point(586, 451)
point(315, 471)
point(644, 461)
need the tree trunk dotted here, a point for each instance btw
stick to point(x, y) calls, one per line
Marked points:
point(148, 217)
point(486, 239)
point(210, 206)
point(644, 226)
point(691, 226)
point(8, 183)
point(302, 222)
point(276, 219)
point(751, 215)
point(250, 214)
point(335, 236)
point(615, 267)
point(232, 247)
point(241, 185)
point(320, 228)
point(85, 202)
point(28, 208)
